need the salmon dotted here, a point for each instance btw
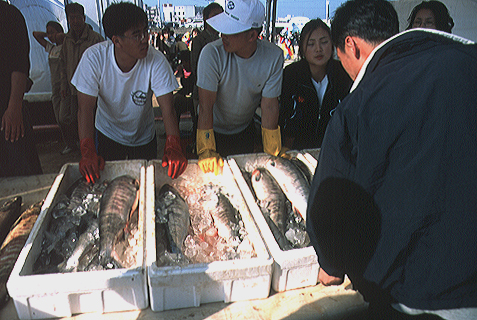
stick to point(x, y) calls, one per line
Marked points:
point(9, 213)
point(270, 197)
point(171, 211)
point(13, 244)
point(291, 181)
point(118, 202)
point(222, 211)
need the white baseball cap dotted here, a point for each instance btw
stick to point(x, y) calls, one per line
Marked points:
point(239, 16)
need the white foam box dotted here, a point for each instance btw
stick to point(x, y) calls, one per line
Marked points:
point(64, 294)
point(295, 268)
point(173, 287)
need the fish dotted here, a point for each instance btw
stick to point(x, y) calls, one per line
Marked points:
point(85, 240)
point(222, 211)
point(291, 181)
point(9, 213)
point(14, 243)
point(270, 197)
point(118, 203)
point(304, 169)
point(172, 221)
point(89, 257)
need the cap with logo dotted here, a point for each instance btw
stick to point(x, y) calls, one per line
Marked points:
point(239, 16)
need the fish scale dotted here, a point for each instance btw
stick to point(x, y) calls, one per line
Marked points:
point(171, 209)
point(271, 197)
point(291, 181)
point(119, 200)
point(222, 211)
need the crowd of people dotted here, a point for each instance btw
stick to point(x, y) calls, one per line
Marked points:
point(394, 197)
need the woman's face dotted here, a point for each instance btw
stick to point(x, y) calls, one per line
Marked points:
point(318, 48)
point(424, 19)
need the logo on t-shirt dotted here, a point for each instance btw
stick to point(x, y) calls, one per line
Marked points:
point(139, 98)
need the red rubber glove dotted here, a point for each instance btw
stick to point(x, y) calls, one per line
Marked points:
point(90, 163)
point(173, 157)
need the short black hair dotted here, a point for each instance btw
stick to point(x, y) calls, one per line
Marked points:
point(444, 21)
point(74, 8)
point(55, 25)
point(371, 20)
point(305, 34)
point(209, 8)
point(122, 16)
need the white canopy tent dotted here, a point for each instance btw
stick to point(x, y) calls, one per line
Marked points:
point(37, 13)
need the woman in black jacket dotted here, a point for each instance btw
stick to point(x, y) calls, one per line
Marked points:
point(312, 88)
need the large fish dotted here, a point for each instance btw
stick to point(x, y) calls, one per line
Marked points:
point(171, 211)
point(9, 213)
point(291, 181)
point(13, 244)
point(119, 201)
point(222, 211)
point(270, 196)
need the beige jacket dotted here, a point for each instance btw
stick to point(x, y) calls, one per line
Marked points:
point(71, 53)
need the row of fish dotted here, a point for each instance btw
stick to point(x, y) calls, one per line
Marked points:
point(204, 228)
point(90, 228)
point(282, 188)
point(14, 242)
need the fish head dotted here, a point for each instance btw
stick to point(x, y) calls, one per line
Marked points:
point(256, 175)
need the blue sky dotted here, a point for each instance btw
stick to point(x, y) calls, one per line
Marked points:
point(307, 8)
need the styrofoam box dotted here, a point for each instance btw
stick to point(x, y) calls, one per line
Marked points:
point(173, 287)
point(293, 268)
point(65, 294)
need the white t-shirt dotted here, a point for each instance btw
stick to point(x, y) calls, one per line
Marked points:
point(124, 112)
point(320, 87)
point(239, 83)
point(53, 50)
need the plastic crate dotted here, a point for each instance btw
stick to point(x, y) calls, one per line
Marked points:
point(293, 268)
point(65, 294)
point(173, 287)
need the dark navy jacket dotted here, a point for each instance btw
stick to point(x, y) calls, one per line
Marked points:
point(302, 117)
point(408, 135)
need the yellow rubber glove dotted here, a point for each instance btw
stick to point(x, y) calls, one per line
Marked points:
point(272, 143)
point(209, 159)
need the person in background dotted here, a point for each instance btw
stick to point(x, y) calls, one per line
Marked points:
point(402, 143)
point(18, 155)
point(432, 15)
point(312, 88)
point(180, 45)
point(235, 76)
point(199, 41)
point(168, 44)
point(80, 37)
point(182, 98)
point(54, 33)
point(120, 76)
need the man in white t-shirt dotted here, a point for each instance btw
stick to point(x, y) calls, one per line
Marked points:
point(120, 76)
point(236, 75)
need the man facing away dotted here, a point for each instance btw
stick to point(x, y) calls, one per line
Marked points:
point(79, 37)
point(400, 148)
point(120, 76)
point(235, 76)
